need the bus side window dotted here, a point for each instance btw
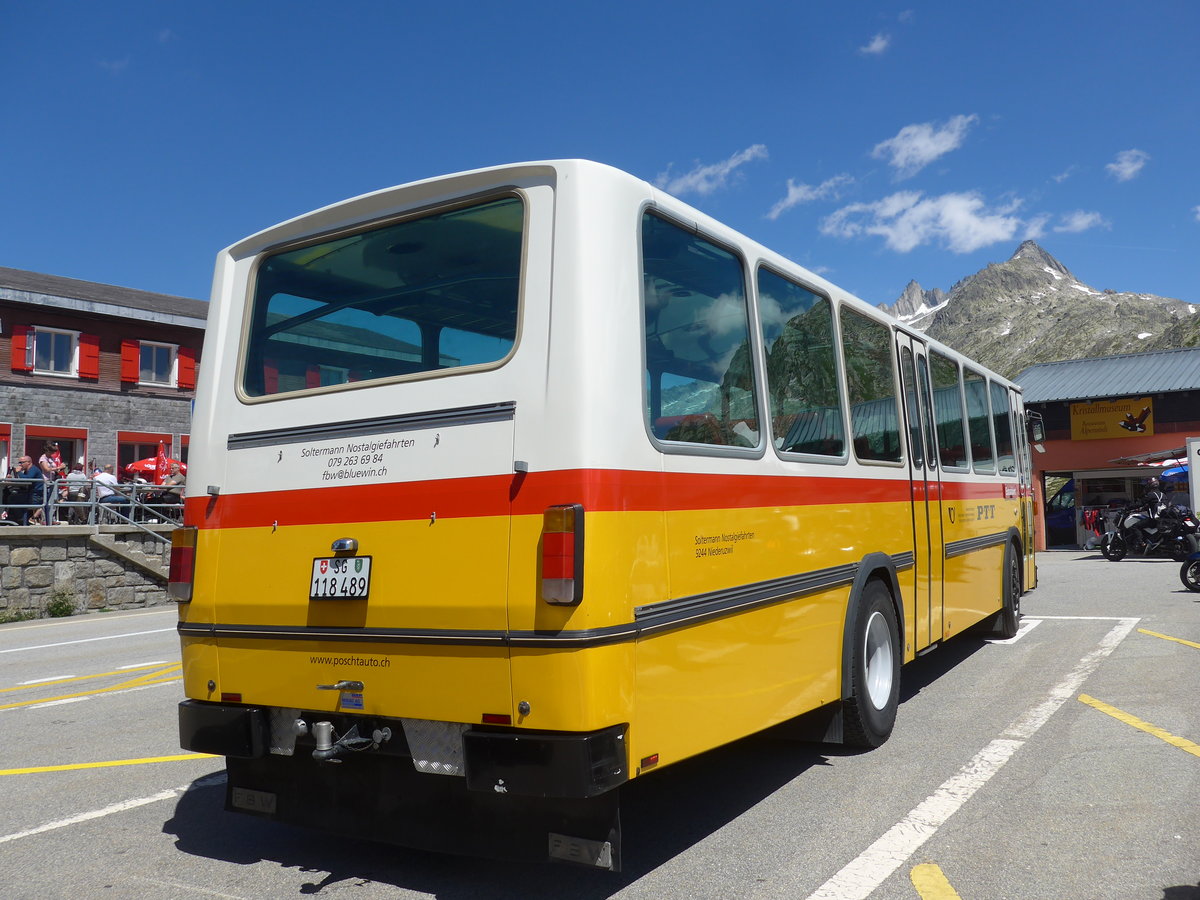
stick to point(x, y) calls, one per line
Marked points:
point(975, 387)
point(700, 379)
point(1002, 426)
point(802, 381)
point(948, 412)
point(871, 385)
point(913, 407)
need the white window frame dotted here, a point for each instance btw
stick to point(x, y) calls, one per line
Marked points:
point(32, 351)
point(172, 375)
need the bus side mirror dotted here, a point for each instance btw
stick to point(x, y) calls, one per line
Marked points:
point(1037, 427)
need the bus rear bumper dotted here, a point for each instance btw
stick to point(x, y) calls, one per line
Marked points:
point(523, 794)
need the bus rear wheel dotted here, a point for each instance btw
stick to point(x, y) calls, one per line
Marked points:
point(1008, 620)
point(870, 713)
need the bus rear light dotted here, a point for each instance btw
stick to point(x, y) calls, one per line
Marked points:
point(497, 719)
point(562, 555)
point(183, 563)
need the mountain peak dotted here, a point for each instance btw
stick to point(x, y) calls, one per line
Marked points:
point(1031, 250)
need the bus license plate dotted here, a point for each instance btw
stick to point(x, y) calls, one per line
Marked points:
point(340, 578)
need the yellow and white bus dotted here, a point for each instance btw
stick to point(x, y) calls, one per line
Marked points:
point(511, 486)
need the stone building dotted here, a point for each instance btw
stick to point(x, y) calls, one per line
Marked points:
point(107, 372)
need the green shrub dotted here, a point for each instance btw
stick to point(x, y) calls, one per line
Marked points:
point(61, 603)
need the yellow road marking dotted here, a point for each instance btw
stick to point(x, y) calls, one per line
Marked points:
point(931, 884)
point(1167, 637)
point(1174, 740)
point(26, 687)
point(159, 676)
point(105, 765)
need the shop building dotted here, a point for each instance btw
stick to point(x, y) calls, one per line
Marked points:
point(1111, 423)
point(106, 372)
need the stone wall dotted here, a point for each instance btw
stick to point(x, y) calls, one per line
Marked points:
point(99, 566)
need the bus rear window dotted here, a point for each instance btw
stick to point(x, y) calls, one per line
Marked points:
point(423, 295)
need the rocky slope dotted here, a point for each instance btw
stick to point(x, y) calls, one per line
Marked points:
point(1032, 309)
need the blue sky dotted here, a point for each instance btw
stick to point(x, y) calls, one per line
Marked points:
point(872, 142)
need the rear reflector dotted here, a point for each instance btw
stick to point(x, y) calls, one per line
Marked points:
point(562, 555)
point(497, 719)
point(183, 563)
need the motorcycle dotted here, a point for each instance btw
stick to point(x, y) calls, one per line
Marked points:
point(1173, 532)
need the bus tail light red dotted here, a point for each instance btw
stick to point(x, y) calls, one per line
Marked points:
point(183, 563)
point(562, 555)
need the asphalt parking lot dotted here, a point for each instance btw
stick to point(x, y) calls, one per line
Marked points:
point(1065, 763)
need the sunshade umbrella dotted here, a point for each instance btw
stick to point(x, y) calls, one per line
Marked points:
point(149, 466)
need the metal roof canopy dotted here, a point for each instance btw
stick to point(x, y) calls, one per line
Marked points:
point(1127, 375)
point(1144, 459)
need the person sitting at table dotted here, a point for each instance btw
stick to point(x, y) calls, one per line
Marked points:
point(78, 490)
point(108, 488)
point(174, 484)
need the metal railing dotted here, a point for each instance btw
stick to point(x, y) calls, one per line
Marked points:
point(78, 502)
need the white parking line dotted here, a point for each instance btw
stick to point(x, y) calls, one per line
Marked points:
point(153, 662)
point(1027, 625)
point(40, 680)
point(57, 702)
point(860, 877)
point(107, 637)
point(89, 620)
point(215, 778)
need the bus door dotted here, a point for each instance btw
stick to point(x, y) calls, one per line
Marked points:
point(925, 492)
point(1025, 485)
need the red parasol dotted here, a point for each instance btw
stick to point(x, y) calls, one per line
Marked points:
point(149, 466)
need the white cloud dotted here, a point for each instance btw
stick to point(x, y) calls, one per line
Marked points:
point(876, 45)
point(908, 219)
point(916, 146)
point(1036, 227)
point(115, 66)
point(1128, 164)
point(166, 35)
point(704, 180)
point(1064, 175)
point(1077, 221)
point(806, 193)
point(1196, 210)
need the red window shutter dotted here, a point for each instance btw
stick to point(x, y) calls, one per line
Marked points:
point(270, 377)
point(131, 361)
point(22, 343)
point(187, 368)
point(89, 356)
point(312, 377)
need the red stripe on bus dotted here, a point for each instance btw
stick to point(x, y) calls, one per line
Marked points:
point(599, 490)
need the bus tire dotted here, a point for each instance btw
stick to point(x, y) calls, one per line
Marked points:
point(870, 712)
point(1006, 622)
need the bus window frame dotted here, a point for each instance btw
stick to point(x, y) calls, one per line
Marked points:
point(839, 363)
point(385, 221)
point(962, 412)
point(902, 440)
point(688, 448)
point(987, 405)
